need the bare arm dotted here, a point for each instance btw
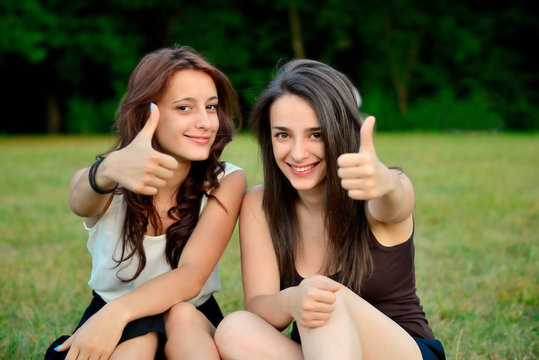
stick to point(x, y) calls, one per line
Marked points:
point(397, 204)
point(199, 257)
point(310, 303)
point(138, 167)
point(260, 272)
point(389, 193)
point(83, 200)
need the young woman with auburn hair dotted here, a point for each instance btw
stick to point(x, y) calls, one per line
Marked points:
point(159, 208)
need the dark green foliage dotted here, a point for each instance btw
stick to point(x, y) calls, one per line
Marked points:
point(64, 65)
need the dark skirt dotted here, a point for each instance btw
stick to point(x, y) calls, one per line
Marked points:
point(135, 328)
point(431, 349)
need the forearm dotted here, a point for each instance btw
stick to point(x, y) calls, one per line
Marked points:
point(83, 200)
point(158, 295)
point(199, 257)
point(397, 204)
point(273, 308)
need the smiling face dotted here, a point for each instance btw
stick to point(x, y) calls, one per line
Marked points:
point(188, 123)
point(297, 143)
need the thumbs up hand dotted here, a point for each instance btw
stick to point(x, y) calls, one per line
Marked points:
point(362, 174)
point(139, 167)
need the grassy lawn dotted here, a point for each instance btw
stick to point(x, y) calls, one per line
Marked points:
point(477, 223)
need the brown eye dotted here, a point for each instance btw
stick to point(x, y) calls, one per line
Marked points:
point(184, 108)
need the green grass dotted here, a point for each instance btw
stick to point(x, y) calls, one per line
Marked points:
point(477, 218)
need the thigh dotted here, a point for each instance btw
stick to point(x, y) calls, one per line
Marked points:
point(380, 337)
point(244, 335)
point(138, 348)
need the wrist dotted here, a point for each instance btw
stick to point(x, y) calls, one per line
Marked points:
point(115, 310)
point(99, 182)
point(396, 203)
point(286, 300)
point(391, 189)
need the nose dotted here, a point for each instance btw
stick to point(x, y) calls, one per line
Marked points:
point(299, 150)
point(203, 120)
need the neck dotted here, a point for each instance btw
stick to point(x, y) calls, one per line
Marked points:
point(311, 200)
point(166, 194)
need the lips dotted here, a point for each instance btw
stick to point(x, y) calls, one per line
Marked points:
point(303, 169)
point(199, 139)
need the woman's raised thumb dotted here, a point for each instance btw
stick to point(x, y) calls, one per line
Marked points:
point(151, 124)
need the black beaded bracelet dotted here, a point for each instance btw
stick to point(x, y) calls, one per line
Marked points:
point(91, 177)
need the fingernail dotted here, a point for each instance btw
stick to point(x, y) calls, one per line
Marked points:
point(151, 107)
point(56, 348)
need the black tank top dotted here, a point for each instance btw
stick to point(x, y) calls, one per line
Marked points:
point(391, 287)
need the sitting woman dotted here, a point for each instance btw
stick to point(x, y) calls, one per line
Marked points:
point(327, 240)
point(159, 209)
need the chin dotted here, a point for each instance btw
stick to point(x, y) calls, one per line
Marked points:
point(303, 185)
point(201, 157)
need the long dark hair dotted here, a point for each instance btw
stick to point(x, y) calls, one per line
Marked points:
point(147, 84)
point(332, 96)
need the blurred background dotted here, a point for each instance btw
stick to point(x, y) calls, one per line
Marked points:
point(437, 65)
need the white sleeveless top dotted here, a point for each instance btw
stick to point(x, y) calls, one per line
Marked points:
point(104, 240)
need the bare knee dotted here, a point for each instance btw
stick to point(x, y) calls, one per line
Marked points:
point(182, 315)
point(188, 331)
point(341, 314)
point(232, 334)
point(229, 330)
point(244, 335)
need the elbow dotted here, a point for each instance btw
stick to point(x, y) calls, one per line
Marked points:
point(74, 204)
point(191, 288)
point(198, 285)
point(81, 204)
point(249, 306)
point(82, 208)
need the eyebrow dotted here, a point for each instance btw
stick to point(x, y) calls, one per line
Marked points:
point(282, 128)
point(193, 99)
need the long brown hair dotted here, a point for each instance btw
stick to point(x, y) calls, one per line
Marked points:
point(331, 95)
point(147, 84)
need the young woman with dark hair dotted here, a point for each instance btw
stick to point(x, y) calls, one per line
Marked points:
point(159, 208)
point(327, 240)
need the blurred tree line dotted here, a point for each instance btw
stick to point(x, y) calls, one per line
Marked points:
point(438, 65)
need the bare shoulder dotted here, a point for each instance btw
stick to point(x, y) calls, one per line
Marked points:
point(253, 197)
point(236, 175)
point(252, 211)
point(257, 191)
point(234, 181)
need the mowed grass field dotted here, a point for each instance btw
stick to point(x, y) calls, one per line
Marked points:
point(477, 242)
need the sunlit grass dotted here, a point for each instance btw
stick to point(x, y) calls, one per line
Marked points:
point(477, 220)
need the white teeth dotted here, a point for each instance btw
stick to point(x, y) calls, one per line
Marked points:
point(302, 168)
